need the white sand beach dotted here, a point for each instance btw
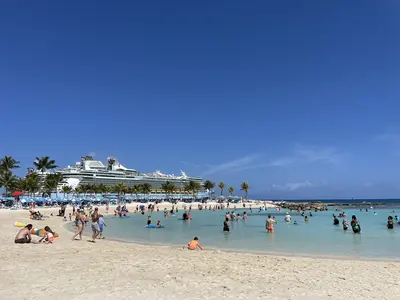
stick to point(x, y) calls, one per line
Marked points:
point(107, 269)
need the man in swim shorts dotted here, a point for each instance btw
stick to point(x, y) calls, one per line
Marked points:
point(270, 224)
point(95, 224)
point(24, 235)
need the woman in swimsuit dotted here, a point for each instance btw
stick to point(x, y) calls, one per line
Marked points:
point(79, 222)
point(355, 225)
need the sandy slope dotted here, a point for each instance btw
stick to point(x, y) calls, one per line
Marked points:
point(82, 270)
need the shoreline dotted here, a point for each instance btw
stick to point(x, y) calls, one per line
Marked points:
point(249, 251)
point(79, 269)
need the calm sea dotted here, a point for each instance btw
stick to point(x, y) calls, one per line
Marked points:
point(318, 237)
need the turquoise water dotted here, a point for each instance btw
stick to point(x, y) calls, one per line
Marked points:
point(316, 237)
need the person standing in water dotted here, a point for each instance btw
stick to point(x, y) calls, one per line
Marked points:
point(335, 220)
point(270, 224)
point(148, 220)
point(390, 222)
point(226, 225)
point(345, 224)
point(355, 225)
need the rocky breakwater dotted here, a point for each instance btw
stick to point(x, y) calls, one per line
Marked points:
point(316, 206)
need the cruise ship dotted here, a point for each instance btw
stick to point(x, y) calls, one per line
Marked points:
point(90, 171)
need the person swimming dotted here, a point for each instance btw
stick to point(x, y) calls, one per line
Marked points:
point(295, 223)
point(226, 225)
point(305, 219)
point(355, 224)
point(390, 222)
point(159, 223)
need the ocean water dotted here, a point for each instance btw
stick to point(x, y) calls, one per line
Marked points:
point(317, 237)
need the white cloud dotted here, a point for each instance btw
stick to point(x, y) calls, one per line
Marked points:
point(309, 154)
point(233, 165)
point(292, 186)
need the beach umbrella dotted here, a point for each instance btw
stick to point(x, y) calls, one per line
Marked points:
point(17, 194)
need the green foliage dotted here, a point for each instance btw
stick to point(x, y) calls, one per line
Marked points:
point(221, 185)
point(7, 180)
point(7, 163)
point(168, 187)
point(231, 190)
point(193, 187)
point(245, 187)
point(44, 163)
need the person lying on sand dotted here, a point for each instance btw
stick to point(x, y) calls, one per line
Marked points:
point(24, 235)
point(194, 244)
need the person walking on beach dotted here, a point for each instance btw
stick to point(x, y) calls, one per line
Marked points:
point(102, 223)
point(95, 224)
point(355, 225)
point(270, 224)
point(79, 223)
point(107, 207)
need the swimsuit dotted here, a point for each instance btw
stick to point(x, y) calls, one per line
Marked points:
point(22, 241)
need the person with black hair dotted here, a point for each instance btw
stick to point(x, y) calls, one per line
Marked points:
point(24, 236)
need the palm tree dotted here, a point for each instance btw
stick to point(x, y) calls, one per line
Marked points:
point(145, 188)
point(193, 187)
point(66, 189)
point(245, 187)
point(8, 181)
point(7, 163)
point(136, 190)
point(51, 182)
point(231, 190)
point(32, 183)
point(221, 185)
point(168, 187)
point(42, 165)
point(209, 185)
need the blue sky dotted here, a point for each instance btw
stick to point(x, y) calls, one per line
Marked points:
point(299, 98)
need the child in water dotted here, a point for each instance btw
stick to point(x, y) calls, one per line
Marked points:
point(159, 223)
point(245, 216)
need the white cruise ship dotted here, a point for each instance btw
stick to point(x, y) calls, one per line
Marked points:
point(90, 171)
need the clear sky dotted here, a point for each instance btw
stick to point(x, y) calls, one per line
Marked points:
point(299, 98)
